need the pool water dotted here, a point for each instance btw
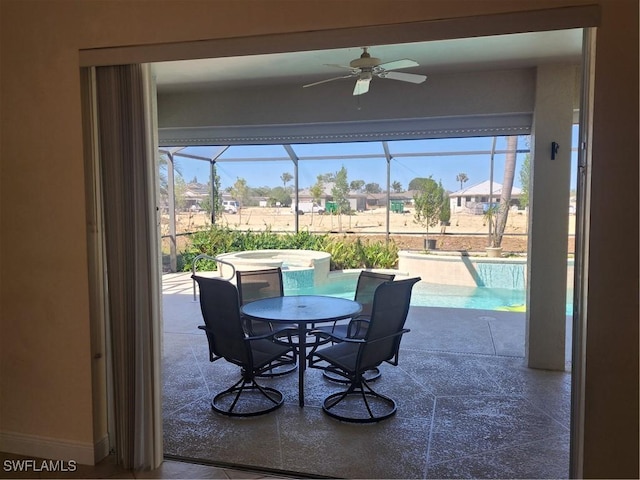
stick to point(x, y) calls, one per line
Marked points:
point(433, 295)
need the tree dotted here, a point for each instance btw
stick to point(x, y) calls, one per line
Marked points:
point(420, 183)
point(328, 177)
point(396, 186)
point(205, 204)
point(279, 194)
point(340, 190)
point(462, 178)
point(179, 190)
point(163, 169)
point(264, 191)
point(286, 177)
point(428, 202)
point(507, 186)
point(372, 188)
point(445, 211)
point(317, 190)
point(240, 191)
point(356, 185)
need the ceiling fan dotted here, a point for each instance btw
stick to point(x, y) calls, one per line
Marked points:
point(366, 67)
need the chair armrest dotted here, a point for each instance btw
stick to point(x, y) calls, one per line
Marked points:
point(289, 331)
point(356, 324)
point(386, 337)
point(338, 338)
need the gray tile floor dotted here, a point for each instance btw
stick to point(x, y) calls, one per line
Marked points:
point(467, 405)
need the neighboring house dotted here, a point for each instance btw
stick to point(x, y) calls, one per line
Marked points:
point(471, 199)
point(357, 200)
point(194, 195)
point(380, 199)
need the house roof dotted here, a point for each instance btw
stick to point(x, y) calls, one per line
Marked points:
point(482, 189)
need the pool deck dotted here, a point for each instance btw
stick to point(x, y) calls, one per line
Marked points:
point(467, 404)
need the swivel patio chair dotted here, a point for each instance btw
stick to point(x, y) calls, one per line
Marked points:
point(352, 357)
point(255, 285)
point(357, 327)
point(365, 288)
point(227, 339)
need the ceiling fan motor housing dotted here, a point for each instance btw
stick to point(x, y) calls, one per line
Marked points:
point(365, 62)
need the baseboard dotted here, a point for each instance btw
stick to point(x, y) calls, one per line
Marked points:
point(101, 449)
point(52, 448)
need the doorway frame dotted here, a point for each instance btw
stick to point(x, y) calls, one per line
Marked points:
point(497, 24)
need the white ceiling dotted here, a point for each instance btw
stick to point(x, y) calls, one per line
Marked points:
point(444, 56)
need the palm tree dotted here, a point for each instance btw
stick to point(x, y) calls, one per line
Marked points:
point(507, 185)
point(286, 177)
point(462, 178)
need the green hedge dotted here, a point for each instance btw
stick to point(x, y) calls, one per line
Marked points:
point(344, 253)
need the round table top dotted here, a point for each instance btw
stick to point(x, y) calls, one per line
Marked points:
point(301, 308)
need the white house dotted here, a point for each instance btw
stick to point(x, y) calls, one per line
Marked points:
point(472, 199)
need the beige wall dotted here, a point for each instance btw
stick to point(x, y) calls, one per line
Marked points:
point(45, 369)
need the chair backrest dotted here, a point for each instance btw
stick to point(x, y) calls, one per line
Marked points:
point(388, 315)
point(220, 307)
point(366, 287)
point(257, 284)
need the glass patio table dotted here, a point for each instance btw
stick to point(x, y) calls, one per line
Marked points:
point(302, 311)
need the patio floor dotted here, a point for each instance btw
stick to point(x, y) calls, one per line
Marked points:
point(467, 405)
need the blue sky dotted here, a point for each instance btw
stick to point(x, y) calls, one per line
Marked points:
point(442, 168)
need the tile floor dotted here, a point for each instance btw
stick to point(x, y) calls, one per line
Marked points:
point(467, 405)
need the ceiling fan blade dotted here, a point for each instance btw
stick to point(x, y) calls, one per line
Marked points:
point(338, 66)
point(405, 77)
point(362, 86)
point(404, 63)
point(325, 81)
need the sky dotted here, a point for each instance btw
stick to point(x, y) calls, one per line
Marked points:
point(436, 160)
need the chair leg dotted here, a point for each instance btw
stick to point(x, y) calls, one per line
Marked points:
point(247, 386)
point(360, 388)
point(282, 366)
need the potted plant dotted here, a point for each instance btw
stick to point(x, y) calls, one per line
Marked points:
point(428, 205)
point(494, 249)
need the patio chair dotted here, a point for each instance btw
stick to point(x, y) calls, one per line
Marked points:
point(352, 357)
point(365, 288)
point(220, 305)
point(255, 285)
point(357, 327)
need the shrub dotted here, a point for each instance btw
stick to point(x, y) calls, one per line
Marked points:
point(344, 253)
point(358, 254)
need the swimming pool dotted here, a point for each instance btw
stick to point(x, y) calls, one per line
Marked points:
point(430, 295)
